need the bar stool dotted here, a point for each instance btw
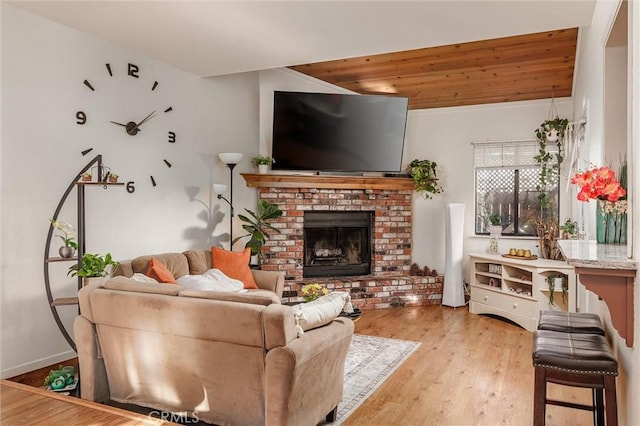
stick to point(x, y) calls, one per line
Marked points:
point(571, 322)
point(579, 360)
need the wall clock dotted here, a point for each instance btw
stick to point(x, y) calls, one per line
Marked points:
point(136, 110)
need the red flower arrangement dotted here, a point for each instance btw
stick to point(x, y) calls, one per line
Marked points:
point(599, 184)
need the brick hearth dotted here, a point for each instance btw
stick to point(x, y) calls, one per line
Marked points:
point(390, 199)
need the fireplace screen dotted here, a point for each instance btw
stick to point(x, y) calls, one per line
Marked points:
point(337, 244)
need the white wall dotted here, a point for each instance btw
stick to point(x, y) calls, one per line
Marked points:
point(444, 135)
point(589, 96)
point(43, 67)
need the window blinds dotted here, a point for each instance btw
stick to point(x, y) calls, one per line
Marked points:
point(508, 154)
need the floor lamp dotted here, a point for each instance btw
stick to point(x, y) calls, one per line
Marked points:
point(230, 159)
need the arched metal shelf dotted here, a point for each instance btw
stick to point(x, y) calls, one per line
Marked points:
point(54, 304)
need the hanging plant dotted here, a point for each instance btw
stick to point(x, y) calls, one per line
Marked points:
point(550, 131)
point(425, 177)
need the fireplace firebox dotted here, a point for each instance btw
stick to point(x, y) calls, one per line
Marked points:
point(337, 243)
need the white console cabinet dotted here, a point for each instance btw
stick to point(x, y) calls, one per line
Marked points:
point(517, 289)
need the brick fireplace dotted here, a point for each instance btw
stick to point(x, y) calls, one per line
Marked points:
point(389, 203)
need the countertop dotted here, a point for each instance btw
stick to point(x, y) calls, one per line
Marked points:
point(590, 254)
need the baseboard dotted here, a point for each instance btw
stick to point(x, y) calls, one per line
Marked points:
point(37, 364)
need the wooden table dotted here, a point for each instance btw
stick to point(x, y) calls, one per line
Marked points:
point(27, 405)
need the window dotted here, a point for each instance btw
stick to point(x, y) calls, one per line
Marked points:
point(506, 176)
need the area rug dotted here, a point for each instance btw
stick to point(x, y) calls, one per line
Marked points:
point(370, 361)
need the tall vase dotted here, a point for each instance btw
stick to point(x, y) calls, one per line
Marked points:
point(611, 222)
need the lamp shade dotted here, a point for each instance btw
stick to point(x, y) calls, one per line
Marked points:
point(230, 157)
point(219, 188)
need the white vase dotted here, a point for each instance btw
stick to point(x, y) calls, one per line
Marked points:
point(263, 168)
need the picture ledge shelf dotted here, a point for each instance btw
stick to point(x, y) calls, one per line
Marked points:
point(273, 180)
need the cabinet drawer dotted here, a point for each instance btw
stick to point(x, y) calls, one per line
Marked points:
point(504, 301)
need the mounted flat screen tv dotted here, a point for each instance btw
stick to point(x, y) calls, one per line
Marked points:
point(338, 132)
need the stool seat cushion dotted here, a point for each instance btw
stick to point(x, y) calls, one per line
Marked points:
point(574, 353)
point(571, 322)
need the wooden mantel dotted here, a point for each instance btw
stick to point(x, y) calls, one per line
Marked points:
point(272, 180)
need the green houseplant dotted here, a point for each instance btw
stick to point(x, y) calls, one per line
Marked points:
point(550, 131)
point(93, 265)
point(262, 160)
point(425, 177)
point(256, 223)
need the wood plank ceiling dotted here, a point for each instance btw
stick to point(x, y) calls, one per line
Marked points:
point(526, 67)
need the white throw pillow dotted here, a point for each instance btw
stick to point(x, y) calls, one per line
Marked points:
point(212, 280)
point(321, 311)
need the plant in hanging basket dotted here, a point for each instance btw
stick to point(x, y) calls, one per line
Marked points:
point(550, 131)
point(425, 177)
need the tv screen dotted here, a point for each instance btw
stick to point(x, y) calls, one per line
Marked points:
point(338, 132)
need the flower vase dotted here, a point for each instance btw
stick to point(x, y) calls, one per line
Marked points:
point(263, 168)
point(611, 222)
point(66, 252)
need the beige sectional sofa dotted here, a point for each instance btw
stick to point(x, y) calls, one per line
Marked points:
point(222, 358)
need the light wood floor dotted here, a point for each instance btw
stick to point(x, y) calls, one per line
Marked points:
point(469, 370)
point(23, 405)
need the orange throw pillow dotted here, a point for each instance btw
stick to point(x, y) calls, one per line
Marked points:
point(234, 265)
point(159, 272)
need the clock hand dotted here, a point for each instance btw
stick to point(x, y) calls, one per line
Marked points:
point(119, 124)
point(145, 119)
point(133, 128)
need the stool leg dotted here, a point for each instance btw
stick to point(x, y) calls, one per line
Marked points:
point(540, 397)
point(598, 406)
point(611, 405)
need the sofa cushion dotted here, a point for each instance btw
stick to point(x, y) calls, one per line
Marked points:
point(234, 265)
point(176, 263)
point(199, 261)
point(128, 284)
point(321, 311)
point(158, 271)
point(257, 297)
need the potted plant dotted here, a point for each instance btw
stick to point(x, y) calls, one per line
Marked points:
point(495, 227)
point(569, 228)
point(425, 177)
point(311, 292)
point(93, 266)
point(262, 162)
point(86, 177)
point(113, 178)
point(70, 246)
point(256, 223)
point(550, 131)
